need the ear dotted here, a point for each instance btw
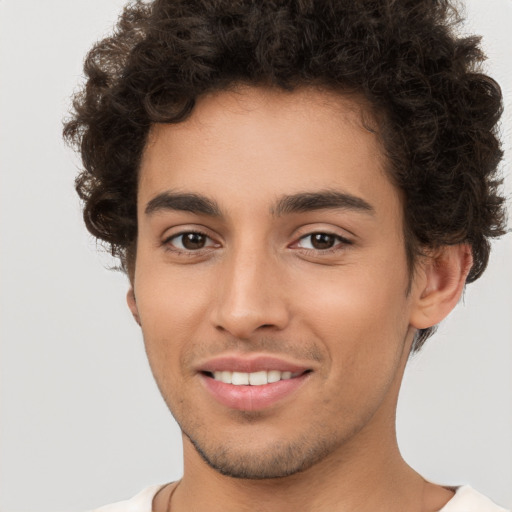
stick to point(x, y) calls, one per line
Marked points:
point(132, 304)
point(439, 283)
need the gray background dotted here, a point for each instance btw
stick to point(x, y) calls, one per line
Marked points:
point(82, 423)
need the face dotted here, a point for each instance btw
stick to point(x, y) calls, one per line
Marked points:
point(271, 279)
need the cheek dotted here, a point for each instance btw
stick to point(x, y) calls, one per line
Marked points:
point(362, 329)
point(355, 299)
point(170, 305)
point(170, 295)
point(358, 314)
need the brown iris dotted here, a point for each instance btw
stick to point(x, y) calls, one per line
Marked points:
point(193, 241)
point(322, 240)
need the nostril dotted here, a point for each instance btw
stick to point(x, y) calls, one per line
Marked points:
point(242, 321)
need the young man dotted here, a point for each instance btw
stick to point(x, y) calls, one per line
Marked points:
point(298, 192)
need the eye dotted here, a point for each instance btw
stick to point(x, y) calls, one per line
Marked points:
point(190, 241)
point(321, 241)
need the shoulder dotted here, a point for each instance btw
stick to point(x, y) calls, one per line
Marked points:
point(140, 503)
point(467, 499)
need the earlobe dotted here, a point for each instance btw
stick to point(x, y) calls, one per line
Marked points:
point(132, 304)
point(440, 284)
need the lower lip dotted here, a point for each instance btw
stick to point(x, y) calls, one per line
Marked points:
point(252, 398)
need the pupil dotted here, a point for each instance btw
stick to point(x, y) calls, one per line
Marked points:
point(193, 241)
point(322, 241)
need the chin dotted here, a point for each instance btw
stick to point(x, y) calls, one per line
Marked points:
point(279, 459)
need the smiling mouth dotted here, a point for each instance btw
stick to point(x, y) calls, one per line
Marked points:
point(252, 390)
point(259, 378)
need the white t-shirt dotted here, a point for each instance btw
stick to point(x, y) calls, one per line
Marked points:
point(466, 499)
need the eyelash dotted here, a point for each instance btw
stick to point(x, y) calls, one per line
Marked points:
point(187, 252)
point(340, 243)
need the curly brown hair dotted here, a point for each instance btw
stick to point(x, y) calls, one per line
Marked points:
point(437, 112)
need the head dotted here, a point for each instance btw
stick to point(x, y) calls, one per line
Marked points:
point(433, 110)
point(380, 106)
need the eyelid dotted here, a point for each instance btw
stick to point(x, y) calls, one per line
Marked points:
point(180, 229)
point(185, 232)
point(303, 233)
point(167, 239)
point(314, 228)
point(341, 241)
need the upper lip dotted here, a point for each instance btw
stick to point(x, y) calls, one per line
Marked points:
point(251, 364)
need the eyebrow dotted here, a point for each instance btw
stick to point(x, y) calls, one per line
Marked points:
point(321, 200)
point(188, 202)
point(296, 203)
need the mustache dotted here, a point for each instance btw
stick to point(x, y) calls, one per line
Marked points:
point(298, 349)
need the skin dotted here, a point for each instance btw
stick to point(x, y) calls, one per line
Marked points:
point(260, 286)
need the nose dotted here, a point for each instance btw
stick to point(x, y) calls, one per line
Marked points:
point(251, 295)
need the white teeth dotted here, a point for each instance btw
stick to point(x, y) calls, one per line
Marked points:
point(222, 376)
point(254, 379)
point(273, 376)
point(240, 379)
point(258, 378)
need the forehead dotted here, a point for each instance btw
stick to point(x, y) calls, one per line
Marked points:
point(268, 111)
point(255, 144)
